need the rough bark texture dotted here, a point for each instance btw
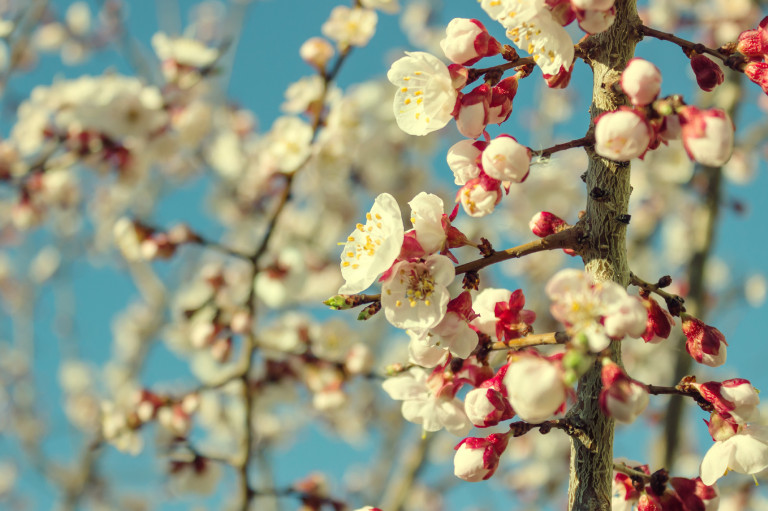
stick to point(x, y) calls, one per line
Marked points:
point(605, 258)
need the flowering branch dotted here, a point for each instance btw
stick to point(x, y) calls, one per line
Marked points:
point(631, 472)
point(549, 151)
point(724, 53)
point(531, 340)
point(567, 238)
point(674, 302)
point(571, 428)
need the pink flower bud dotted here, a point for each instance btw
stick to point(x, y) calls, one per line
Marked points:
point(707, 135)
point(487, 407)
point(659, 324)
point(472, 114)
point(735, 400)
point(506, 160)
point(595, 21)
point(753, 43)
point(501, 100)
point(477, 459)
point(622, 135)
point(464, 158)
point(641, 82)
point(467, 41)
point(758, 73)
point(622, 397)
point(706, 344)
point(708, 73)
point(316, 52)
point(545, 223)
point(480, 195)
point(535, 388)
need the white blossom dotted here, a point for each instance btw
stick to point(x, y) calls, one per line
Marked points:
point(425, 96)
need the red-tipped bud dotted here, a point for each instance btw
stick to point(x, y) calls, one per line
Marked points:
point(706, 344)
point(707, 135)
point(545, 223)
point(477, 459)
point(641, 81)
point(720, 428)
point(758, 73)
point(659, 323)
point(472, 114)
point(708, 73)
point(753, 43)
point(622, 397)
point(459, 75)
point(467, 41)
point(501, 100)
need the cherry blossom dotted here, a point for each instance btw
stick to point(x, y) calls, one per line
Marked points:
point(487, 405)
point(464, 158)
point(415, 295)
point(535, 387)
point(707, 135)
point(746, 452)
point(429, 400)
point(473, 109)
point(641, 81)
point(467, 41)
point(372, 248)
point(622, 135)
point(506, 160)
point(532, 27)
point(503, 94)
point(621, 397)
point(350, 26)
point(425, 96)
point(453, 332)
point(599, 311)
point(477, 459)
point(316, 51)
point(735, 400)
point(427, 218)
point(706, 344)
point(480, 195)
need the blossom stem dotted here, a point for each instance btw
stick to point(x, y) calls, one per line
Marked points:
point(631, 472)
point(567, 238)
point(531, 340)
point(735, 62)
point(474, 74)
point(674, 302)
point(549, 151)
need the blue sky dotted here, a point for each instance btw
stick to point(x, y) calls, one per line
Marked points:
point(266, 61)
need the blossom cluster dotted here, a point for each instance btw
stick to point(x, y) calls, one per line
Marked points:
point(630, 132)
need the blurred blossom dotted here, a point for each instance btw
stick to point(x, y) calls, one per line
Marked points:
point(755, 289)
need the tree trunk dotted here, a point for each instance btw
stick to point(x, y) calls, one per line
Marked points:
point(605, 258)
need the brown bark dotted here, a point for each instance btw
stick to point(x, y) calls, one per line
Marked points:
point(605, 258)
